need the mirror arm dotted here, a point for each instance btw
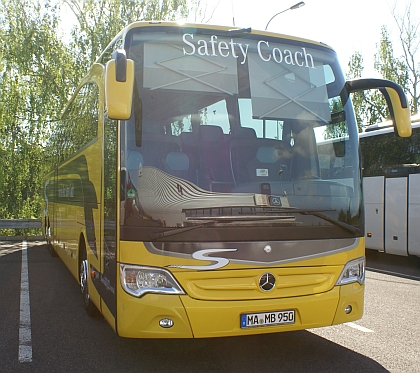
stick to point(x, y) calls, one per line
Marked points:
point(356, 85)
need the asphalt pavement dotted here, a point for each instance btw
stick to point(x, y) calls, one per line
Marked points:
point(65, 339)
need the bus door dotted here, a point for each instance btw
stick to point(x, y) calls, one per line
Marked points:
point(396, 215)
point(386, 213)
point(414, 214)
point(374, 195)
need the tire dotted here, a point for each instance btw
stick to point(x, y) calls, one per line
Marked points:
point(90, 308)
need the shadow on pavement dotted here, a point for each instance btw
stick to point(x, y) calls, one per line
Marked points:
point(65, 339)
point(402, 266)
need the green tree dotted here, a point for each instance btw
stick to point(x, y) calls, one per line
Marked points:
point(387, 64)
point(99, 21)
point(370, 107)
point(360, 99)
point(409, 35)
point(34, 68)
point(38, 72)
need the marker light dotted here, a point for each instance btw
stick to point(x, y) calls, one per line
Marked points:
point(354, 271)
point(138, 281)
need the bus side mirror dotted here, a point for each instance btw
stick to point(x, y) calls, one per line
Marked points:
point(119, 82)
point(395, 98)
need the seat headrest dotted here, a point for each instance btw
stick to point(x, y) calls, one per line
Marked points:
point(177, 161)
point(187, 139)
point(243, 133)
point(267, 154)
point(210, 133)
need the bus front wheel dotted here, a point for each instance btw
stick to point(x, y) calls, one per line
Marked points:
point(84, 273)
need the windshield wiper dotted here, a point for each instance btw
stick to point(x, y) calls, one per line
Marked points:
point(236, 31)
point(157, 235)
point(229, 33)
point(338, 223)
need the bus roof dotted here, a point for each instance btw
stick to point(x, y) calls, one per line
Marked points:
point(387, 127)
point(235, 30)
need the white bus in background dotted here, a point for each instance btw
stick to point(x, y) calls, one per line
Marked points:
point(391, 183)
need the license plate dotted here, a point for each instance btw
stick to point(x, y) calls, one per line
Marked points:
point(250, 320)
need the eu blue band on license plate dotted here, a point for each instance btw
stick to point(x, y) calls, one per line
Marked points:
point(252, 320)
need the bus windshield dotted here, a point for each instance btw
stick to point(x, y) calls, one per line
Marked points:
point(222, 143)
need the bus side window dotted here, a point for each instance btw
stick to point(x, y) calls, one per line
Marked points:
point(80, 121)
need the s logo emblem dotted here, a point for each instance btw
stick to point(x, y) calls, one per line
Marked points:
point(204, 255)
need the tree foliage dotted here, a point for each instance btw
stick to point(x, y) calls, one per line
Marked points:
point(409, 35)
point(99, 21)
point(33, 72)
point(370, 107)
point(359, 99)
point(39, 69)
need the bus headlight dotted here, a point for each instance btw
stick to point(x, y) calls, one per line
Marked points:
point(354, 271)
point(138, 281)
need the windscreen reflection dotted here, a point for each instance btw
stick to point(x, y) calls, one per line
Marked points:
point(218, 141)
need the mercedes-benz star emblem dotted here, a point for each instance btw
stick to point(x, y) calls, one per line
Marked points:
point(267, 281)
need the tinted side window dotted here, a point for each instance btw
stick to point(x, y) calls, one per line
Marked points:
point(79, 125)
point(388, 154)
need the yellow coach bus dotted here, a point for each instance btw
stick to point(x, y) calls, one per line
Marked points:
point(189, 202)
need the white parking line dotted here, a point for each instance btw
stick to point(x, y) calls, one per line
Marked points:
point(358, 327)
point(25, 335)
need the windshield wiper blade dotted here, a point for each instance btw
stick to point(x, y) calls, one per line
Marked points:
point(172, 232)
point(230, 33)
point(239, 31)
point(347, 227)
point(317, 213)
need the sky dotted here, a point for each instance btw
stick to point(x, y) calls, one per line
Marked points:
point(346, 25)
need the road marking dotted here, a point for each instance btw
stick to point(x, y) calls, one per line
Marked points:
point(358, 327)
point(25, 335)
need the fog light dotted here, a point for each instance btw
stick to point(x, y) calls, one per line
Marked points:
point(166, 323)
point(348, 309)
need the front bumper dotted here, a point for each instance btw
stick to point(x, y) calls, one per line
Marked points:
point(139, 317)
